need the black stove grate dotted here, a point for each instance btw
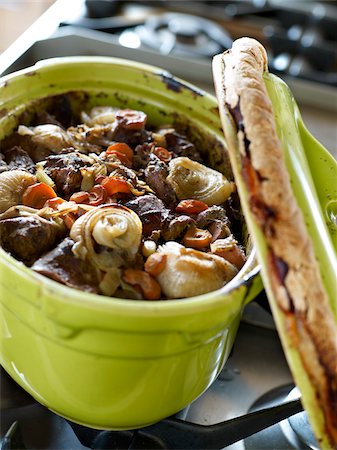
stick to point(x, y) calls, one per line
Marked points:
point(171, 433)
point(300, 36)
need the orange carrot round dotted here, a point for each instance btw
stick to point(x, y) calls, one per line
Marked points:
point(54, 202)
point(37, 194)
point(122, 148)
point(80, 197)
point(155, 264)
point(162, 154)
point(131, 119)
point(149, 286)
point(191, 206)
point(197, 238)
point(114, 185)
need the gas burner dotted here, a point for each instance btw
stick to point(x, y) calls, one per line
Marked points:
point(292, 433)
point(297, 428)
point(181, 34)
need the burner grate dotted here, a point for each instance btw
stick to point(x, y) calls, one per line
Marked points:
point(172, 433)
point(300, 38)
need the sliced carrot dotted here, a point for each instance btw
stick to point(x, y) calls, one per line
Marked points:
point(99, 179)
point(69, 220)
point(155, 264)
point(131, 119)
point(122, 148)
point(97, 195)
point(230, 251)
point(37, 194)
point(80, 197)
point(123, 158)
point(197, 238)
point(114, 185)
point(163, 154)
point(54, 202)
point(150, 288)
point(191, 206)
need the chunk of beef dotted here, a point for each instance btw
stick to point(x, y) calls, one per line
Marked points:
point(18, 158)
point(142, 156)
point(180, 145)
point(130, 137)
point(155, 175)
point(215, 218)
point(209, 215)
point(219, 230)
point(65, 171)
point(151, 211)
point(28, 237)
point(61, 265)
point(174, 228)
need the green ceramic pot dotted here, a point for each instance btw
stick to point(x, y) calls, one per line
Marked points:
point(103, 362)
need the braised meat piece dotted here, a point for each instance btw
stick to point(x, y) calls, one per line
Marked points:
point(215, 218)
point(205, 218)
point(61, 265)
point(65, 171)
point(28, 237)
point(179, 145)
point(129, 136)
point(155, 175)
point(219, 230)
point(18, 158)
point(151, 211)
point(142, 156)
point(174, 228)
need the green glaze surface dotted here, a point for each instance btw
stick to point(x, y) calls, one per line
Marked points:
point(313, 174)
point(104, 362)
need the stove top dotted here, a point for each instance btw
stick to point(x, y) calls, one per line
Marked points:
point(254, 392)
point(182, 37)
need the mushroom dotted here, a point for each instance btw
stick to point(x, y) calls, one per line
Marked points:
point(13, 183)
point(108, 236)
point(188, 272)
point(191, 179)
point(47, 136)
point(99, 115)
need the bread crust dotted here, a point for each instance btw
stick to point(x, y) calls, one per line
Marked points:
point(296, 281)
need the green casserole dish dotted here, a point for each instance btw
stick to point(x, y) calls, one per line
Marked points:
point(105, 362)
